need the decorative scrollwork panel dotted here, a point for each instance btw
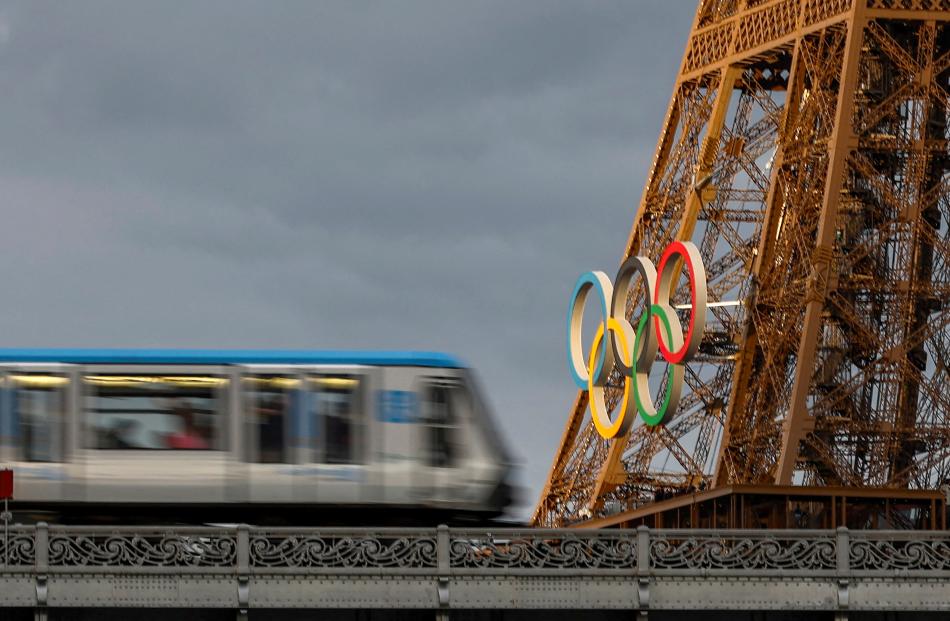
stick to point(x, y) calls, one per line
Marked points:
point(916, 554)
point(711, 552)
point(157, 549)
point(343, 551)
point(544, 551)
point(18, 549)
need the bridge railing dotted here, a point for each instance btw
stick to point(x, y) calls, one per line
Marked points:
point(462, 551)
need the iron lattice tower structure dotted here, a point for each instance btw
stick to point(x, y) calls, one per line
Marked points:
point(805, 151)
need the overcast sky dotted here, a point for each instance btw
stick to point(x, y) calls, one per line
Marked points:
point(399, 175)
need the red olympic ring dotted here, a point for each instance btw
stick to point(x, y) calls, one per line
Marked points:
point(697, 290)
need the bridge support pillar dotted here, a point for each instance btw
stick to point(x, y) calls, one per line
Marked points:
point(243, 570)
point(442, 557)
point(843, 562)
point(643, 572)
point(42, 568)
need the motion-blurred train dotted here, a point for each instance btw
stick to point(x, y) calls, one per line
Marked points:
point(258, 436)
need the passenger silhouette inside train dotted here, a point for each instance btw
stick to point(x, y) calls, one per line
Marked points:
point(189, 437)
point(338, 435)
point(271, 420)
point(121, 435)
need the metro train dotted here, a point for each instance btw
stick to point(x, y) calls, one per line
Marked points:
point(257, 436)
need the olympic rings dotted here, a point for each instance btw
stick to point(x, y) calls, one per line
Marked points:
point(632, 352)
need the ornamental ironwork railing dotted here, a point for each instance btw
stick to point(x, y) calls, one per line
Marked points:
point(248, 550)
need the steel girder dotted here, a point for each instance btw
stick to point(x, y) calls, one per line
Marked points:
point(447, 569)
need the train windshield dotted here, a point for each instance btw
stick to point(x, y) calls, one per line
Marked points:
point(154, 412)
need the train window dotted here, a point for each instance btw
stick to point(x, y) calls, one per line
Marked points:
point(39, 406)
point(267, 401)
point(154, 412)
point(441, 417)
point(337, 418)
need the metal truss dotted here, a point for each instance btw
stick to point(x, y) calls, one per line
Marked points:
point(50, 568)
point(805, 150)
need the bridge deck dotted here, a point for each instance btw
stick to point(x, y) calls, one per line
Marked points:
point(466, 569)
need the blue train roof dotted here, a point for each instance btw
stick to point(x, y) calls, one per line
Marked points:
point(230, 356)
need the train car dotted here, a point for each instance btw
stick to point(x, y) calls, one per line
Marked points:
point(258, 436)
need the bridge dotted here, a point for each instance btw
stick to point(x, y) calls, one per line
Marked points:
point(444, 573)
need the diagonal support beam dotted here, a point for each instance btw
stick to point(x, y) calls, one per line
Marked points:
point(842, 143)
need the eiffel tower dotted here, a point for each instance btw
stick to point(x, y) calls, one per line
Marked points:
point(805, 153)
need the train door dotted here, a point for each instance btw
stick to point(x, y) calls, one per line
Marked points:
point(339, 430)
point(155, 433)
point(270, 400)
point(35, 417)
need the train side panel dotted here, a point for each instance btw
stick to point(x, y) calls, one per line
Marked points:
point(338, 435)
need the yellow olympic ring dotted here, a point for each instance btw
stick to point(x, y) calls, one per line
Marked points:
point(598, 408)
